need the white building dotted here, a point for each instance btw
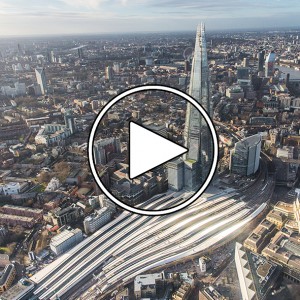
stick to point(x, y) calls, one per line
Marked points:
point(245, 157)
point(65, 240)
point(52, 133)
point(19, 89)
point(106, 202)
point(41, 79)
point(285, 152)
point(96, 220)
point(10, 188)
point(53, 185)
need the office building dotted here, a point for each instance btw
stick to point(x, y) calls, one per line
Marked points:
point(260, 236)
point(175, 174)
point(196, 133)
point(243, 73)
point(204, 263)
point(66, 215)
point(96, 220)
point(41, 79)
point(244, 158)
point(109, 73)
point(65, 240)
point(270, 64)
point(103, 147)
point(104, 201)
point(70, 121)
point(145, 285)
point(256, 274)
point(261, 59)
point(245, 62)
point(80, 53)
point(284, 249)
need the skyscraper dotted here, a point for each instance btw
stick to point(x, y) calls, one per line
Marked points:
point(41, 79)
point(196, 133)
point(261, 59)
point(69, 120)
point(244, 158)
point(270, 64)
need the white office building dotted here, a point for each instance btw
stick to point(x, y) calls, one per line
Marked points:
point(106, 202)
point(66, 240)
point(244, 158)
point(96, 220)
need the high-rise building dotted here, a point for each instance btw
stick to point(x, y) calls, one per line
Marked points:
point(246, 62)
point(103, 147)
point(80, 53)
point(261, 59)
point(41, 79)
point(196, 133)
point(244, 158)
point(109, 73)
point(52, 57)
point(69, 121)
point(175, 174)
point(270, 63)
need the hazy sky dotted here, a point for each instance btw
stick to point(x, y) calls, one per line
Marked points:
point(26, 17)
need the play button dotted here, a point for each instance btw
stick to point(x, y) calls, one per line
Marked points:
point(148, 150)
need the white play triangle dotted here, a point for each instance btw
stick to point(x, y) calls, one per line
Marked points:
point(148, 150)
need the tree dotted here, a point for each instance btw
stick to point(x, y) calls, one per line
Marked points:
point(62, 170)
point(44, 177)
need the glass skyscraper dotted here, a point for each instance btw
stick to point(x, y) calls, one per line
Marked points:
point(196, 134)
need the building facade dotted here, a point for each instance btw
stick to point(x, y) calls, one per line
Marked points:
point(244, 158)
point(65, 240)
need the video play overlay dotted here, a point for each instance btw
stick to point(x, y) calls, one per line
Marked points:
point(153, 142)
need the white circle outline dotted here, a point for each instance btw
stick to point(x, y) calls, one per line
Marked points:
point(141, 89)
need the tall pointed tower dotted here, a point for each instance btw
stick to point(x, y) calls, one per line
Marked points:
point(196, 133)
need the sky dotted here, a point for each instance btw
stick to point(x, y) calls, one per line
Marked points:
point(43, 17)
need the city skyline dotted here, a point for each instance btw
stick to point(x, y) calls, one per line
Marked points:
point(101, 16)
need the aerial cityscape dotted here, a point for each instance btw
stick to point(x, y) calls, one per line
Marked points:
point(63, 237)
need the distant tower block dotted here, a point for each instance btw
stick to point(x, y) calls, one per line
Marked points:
point(270, 64)
point(41, 79)
point(80, 53)
point(261, 59)
point(109, 73)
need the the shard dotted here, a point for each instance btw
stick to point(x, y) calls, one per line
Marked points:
point(197, 135)
point(191, 171)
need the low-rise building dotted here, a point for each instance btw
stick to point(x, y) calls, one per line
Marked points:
point(12, 220)
point(66, 240)
point(19, 291)
point(183, 292)
point(7, 277)
point(96, 220)
point(276, 218)
point(260, 236)
point(256, 274)
point(145, 285)
point(22, 211)
point(284, 249)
